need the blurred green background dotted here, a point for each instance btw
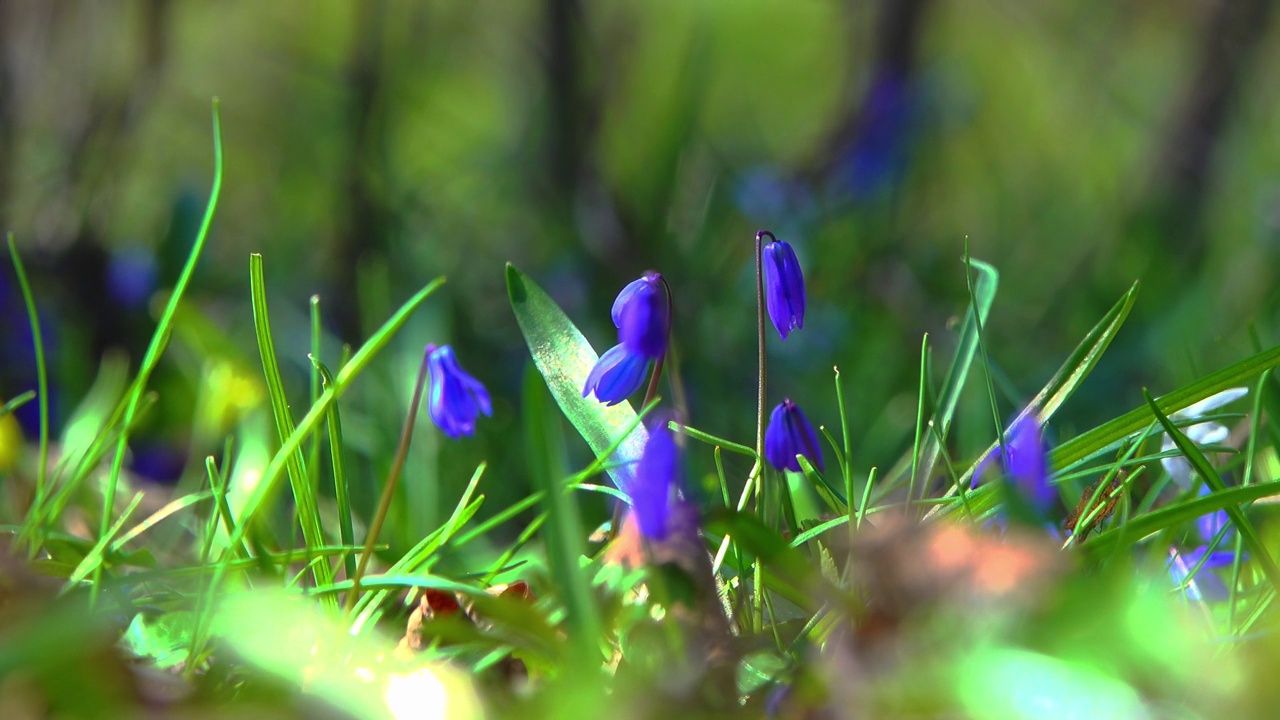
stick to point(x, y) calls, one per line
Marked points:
point(372, 146)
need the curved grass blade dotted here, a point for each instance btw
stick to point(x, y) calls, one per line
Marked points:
point(1061, 386)
point(984, 293)
point(300, 481)
point(565, 358)
point(1193, 454)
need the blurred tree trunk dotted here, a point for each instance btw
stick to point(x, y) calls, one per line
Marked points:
point(364, 232)
point(1182, 173)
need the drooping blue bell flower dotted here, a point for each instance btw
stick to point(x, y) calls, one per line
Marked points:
point(617, 374)
point(789, 434)
point(783, 287)
point(657, 481)
point(640, 314)
point(455, 399)
point(1026, 464)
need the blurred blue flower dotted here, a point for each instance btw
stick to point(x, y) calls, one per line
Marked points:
point(879, 155)
point(1208, 526)
point(657, 480)
point(455, 398)
point(1026, 465)
point(789, 434)
point(783, 287)
point(640, 314)
point(617, 374)
point(1200, 433)
point(1206, 584)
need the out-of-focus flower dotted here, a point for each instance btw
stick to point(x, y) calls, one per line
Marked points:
point(657, 480)
point(617, 374)
point(1026, 465)
point(640, 314)
point(783, 287)
point(1207, 584)
point(880, 153)
point(789, 434)
point(1202, 433)
point(455, 399)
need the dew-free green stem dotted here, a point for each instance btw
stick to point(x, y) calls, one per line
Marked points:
point(158, 341)
point(389, 489)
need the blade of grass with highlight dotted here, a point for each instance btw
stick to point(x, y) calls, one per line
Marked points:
point(341, 492)
point(983, 295)
point(1060, 387)
point(1101, 438)
point(159, 339)
point(565, 358)
point(17, 402)
point(311, 421)
point(546, 452)
point(308, 512)
point(42, 378)
point(1193, 454)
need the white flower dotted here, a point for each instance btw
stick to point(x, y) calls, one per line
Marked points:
point(1202, 433)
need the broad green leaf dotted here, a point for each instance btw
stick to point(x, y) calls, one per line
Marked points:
point(565, 358)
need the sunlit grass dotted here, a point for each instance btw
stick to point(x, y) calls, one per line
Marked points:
point(924, 590)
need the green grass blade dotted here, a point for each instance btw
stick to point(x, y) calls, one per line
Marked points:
point(341, 491)
point(1193, 454)
point(160, 338)
point(546, 451)
point(984, 292)
point(1108, 434)
point(349, 372)
point(17, 402)
point(42, 375)
point(1060, 387)
point(308, 512)
point(565, 358)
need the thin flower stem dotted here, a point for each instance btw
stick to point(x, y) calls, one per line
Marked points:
point(760, 387)
point(389, 489)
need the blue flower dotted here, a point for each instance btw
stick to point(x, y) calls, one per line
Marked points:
point(783, 287)
point(789, 434)
point(1205, 584)
point(657, 479)
point(640, 314)
point(455, 399)
point(1026, 465)
point(617, 374)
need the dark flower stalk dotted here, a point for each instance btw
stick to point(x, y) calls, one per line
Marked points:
point(455, 400)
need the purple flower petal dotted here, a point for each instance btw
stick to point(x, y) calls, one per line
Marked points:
point(616, 375)
point(783, 287)
point(455, 399)
point(789, 434)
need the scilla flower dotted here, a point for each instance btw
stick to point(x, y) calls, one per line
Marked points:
point(789, 434)
point(783, 286)
point(1026, 464)
point(617, 374)
point(456, 399)
point(640, 314)
point(657, 482)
